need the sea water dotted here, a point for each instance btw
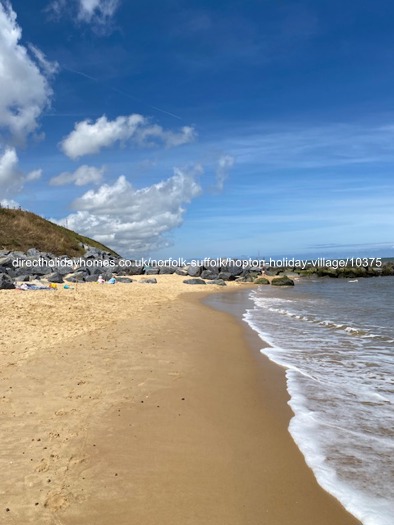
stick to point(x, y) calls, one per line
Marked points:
point(335, 337)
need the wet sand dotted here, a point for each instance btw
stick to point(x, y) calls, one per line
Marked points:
point(150, 408)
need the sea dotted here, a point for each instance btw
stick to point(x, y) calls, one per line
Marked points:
point(335, 338)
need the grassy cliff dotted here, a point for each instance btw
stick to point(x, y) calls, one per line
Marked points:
point(21, 230)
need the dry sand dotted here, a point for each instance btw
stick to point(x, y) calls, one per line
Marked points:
point(131, 404)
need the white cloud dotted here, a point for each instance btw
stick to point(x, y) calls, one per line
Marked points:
point(11, 178)
point(34, 175)
point(90, 137)
point(82, 176)
point(149, 135)
point(97, 13)
point(225, 163)
point(100, 11)
point(135, 221)
point(9, 203)
point(24, 91)
point(49, 68)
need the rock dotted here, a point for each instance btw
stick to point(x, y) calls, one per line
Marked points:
point(39, 270)
point(152, 271)
point(82, 269)
point(167, 269)
point(226, 276)
point(194, 270)
point(31, 252)
point(75, 278)
point(209, 274)
point(327, 272)
point(124, 280)
point(179, 271)
point(194, 281)
point(92, 252)
point(63, 269)
point(6, 282)
point(271, 271)
point(263, 280)
point(252, 274)
point(88, 278)
point(6, 261)
point(54, 278)
point(128, 268)
point(151, 280)
point(24, 278)
point(282, 281)
point(219, 282)
point(232, 267)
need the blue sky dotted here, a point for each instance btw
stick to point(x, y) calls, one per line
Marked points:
point(182, 128)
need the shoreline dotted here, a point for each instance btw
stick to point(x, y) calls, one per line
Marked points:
point(167, 417)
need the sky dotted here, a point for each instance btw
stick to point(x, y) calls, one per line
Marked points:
point(185, 128)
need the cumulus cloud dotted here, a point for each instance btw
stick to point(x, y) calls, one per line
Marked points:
point(135, 221)
point(9, 203)
point(97, 13)
point(24, 91)
point(225, 163)
point(12, 179)
point(90, 137)
point(80, 177)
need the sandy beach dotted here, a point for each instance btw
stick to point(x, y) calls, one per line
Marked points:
point(136, 403)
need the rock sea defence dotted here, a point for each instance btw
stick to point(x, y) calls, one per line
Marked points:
point(36, 265)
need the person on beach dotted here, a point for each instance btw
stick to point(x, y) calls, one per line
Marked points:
point(100, 279)
point(112, 280)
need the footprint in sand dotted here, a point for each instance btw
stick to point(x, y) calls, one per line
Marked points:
point(56, 501)
point(43, 466)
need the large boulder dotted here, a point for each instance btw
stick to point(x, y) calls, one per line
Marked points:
point(209, 274)
point(7, 261)
point(235, 268)
point(218, 282)
point(24, 278)
point(63, 269)
point(6, 282)
point(180, 271)
point(194, 270)
point(328, 272)
point(152, 271)
point(194, 281)
point(282, 281)
point(167, 269)
point(76, 277)
point(39, 270)
point(54, 278)
point(129, 268)
point(261, 280)
point(124, 280)
point(226, 276)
